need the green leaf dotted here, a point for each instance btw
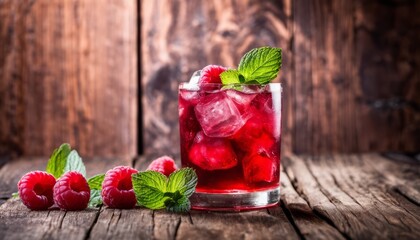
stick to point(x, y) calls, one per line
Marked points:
point(15, 195)
point(95, 198)
point(231, 76)
point(149, 188)
point(75, 163)
point(95, 182)
point(181, 204)
point(261, 64)
point(183, 180)
point(58, 160)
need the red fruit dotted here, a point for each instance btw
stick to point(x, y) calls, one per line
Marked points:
point(117, 188)
point(164, 165)
point(212, 153)
point(258, 168)
point(36, 190)
point(211, 74)
point(72, 192)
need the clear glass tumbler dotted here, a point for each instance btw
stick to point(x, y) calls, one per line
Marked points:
point(231, 134)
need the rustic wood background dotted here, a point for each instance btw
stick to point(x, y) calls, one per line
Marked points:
point(90, 73)
point(68, 73)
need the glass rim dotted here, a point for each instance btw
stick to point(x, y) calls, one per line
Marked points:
point(188, 85)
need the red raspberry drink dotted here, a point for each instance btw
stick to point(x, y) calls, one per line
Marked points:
point(230, 135)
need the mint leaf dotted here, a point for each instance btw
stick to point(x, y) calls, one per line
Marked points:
point(261, 64)
point(181, 204)
point(155, 191)
point(15, 195)
point(95, 182)
point(75, 163)
point(231, 76)
point(183, 180)
point(149, 188)
point(95, 198)
point(58, 160)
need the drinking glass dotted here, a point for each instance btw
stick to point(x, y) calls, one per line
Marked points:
point(230, 135)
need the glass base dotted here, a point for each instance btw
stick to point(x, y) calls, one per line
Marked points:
point(235, 201)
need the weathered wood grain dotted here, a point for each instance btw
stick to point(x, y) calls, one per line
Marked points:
point(355, 196)
point(323, 197)
point(123, 224)
point(406, 180)
point(244, 225)
point(309, 225)
point(14, 170)
point(180, 37)
point(354, 76)
point(68, 73)
point(387, 59)
point(18, 222)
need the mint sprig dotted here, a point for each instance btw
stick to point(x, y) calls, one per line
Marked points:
point(95, 185)
point(58, 160)
point(65, 160)
point(95, 182)
point(156, 191)
point(258, 66)
point(74, 163)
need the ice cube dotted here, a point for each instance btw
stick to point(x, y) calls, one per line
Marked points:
point(242, 100)
point(218, 115)
point(258, 168)
point(212, 153)
point(195, 78)
point(188, 97)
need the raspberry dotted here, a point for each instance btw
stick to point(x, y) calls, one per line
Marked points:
point(258, 168)
point(72, 192)
point(36, 190)
point(164, 165)
point(117, 188)
point(212, 153)
point(211, 74)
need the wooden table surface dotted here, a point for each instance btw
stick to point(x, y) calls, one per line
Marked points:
point(367, 196)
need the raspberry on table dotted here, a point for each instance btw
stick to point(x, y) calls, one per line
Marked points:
point(72, 192)
point(165, 165)
point(36, 190)
point(117, 188)
point(211, 74)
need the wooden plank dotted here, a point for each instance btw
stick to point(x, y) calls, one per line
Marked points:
point(405, 181)
point(18, 222)
point(68, 73)
point(123, 224)
point(179, 38)
point(11, 173)
point(309, 225)
point(244, 225)
point(136, 223)
point(325, 93)
point(353, 196)
point(345, 100)
point(388, 59)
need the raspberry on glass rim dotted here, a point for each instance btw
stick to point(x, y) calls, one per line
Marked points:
point(211, 74)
